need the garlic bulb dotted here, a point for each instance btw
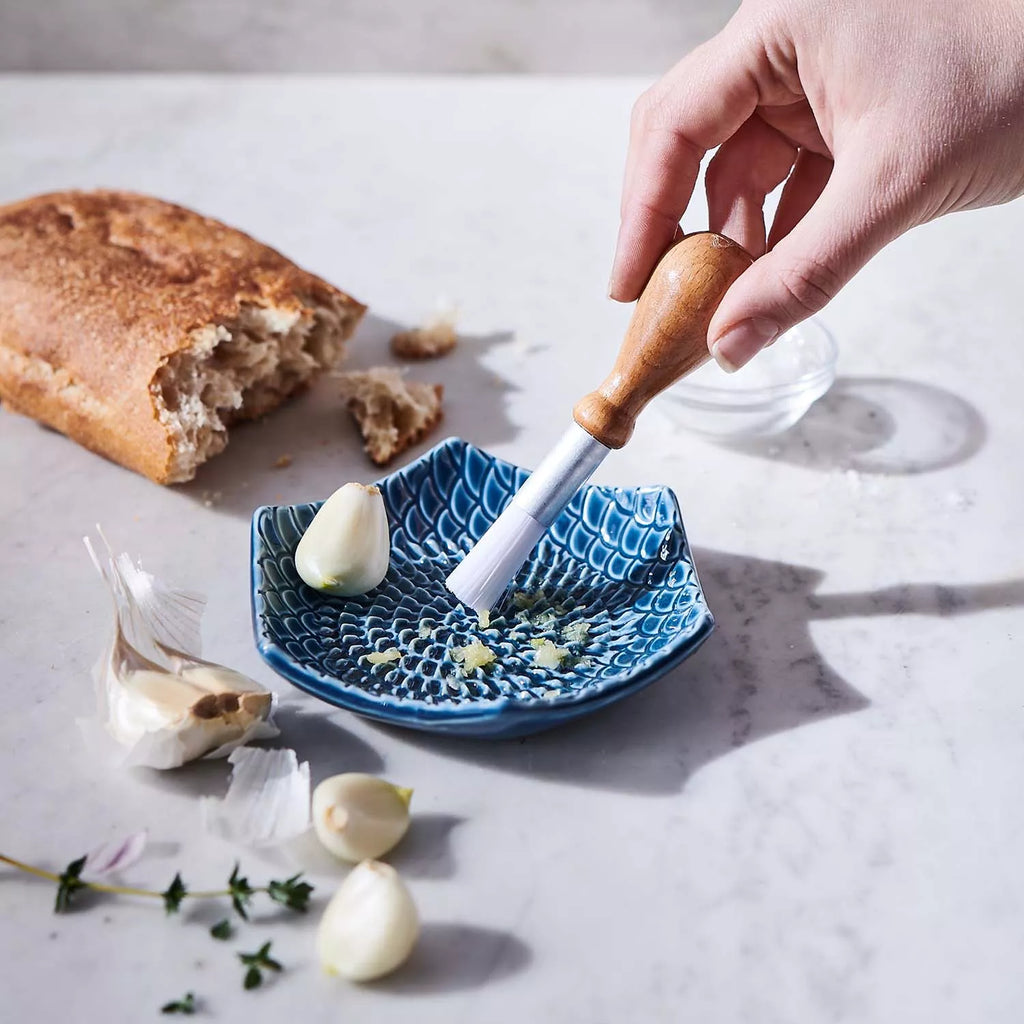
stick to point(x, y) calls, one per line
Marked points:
point(161, 702)
point(370, 925)
point(205, 707)
point(346, 549)
point(358, 817)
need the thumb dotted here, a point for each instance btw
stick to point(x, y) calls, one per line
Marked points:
point(852, 219)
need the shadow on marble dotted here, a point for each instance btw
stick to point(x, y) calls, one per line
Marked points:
point(759, 674)
point(878, 425)
point(318, 436)
point(328, 747)
point(451, 957)
point(426, 849)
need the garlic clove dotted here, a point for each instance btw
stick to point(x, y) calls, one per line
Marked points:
point(359, 817)
point(346, 549)
point(370, 925)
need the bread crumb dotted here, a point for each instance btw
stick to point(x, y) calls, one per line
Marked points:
point(392, 413)
point(435, 338)
point(282, 462)
point(425, 342)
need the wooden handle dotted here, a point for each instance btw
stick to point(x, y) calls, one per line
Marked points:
point(668, 335)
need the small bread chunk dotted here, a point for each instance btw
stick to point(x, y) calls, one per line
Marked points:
point(144, 330)
point(392, 413)
point(429, 342)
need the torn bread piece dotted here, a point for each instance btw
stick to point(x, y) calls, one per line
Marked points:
point(391, 412)
point(143, 330)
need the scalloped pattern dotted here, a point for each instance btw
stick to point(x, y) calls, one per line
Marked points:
point(616, 558)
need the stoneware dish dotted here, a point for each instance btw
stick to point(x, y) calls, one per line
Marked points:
point(616, 560)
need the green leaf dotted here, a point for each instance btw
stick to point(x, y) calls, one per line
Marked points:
point(291, 893)
point(253, 978)
point(174, 894)
point(241, 892)
point(186, 1005)
point(222, 930)
point(68, 884)
point(260, 959)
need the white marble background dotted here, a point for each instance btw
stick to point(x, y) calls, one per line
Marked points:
point(572, 36)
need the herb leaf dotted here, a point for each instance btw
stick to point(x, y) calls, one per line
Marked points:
point(68, 884)
point(174, 894)
point(186, 1005)
point(256, 963)
point(240, 891)
point(291, 893)
point(222, 930)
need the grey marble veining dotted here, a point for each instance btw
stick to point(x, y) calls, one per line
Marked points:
point(815, 819)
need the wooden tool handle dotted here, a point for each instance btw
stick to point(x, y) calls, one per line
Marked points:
point(668, 335)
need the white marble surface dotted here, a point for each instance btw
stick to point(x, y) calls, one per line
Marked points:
point(495, 36)
point(817, 818)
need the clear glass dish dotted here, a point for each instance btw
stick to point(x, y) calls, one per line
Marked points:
point(766, 396)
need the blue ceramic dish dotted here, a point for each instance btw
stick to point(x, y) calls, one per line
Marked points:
point(615, 563)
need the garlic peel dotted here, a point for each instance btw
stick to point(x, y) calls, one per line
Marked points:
point(359, 817)
point(161, 702)
point(370, 925)
point(346, 549)
point(267, 801)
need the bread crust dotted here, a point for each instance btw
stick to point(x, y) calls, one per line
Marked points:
point(98, 290)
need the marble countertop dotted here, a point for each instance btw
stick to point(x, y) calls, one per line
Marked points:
point(816, 818)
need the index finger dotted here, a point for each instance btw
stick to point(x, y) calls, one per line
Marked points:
point(699, 104)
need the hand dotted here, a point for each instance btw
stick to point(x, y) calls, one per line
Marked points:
point(878, 114)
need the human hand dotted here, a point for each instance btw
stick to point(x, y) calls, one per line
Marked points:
point(878, 114)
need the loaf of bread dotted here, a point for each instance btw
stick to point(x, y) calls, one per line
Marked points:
point(392, 413)
point(143, 330)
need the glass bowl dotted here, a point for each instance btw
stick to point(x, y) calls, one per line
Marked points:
point(765, 397)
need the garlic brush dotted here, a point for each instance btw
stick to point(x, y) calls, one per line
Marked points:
point(161, 702)
point(347, 547)
point(370, 925)
point(358, 817)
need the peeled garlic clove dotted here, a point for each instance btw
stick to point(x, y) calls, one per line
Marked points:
point(370, 925)
point(347, 547)
point(359, 817)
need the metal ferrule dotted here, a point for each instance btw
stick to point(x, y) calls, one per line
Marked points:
point(567, 467)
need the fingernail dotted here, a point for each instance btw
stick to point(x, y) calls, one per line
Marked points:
point(741, 343)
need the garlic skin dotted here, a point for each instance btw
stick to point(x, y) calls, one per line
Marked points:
point(156, 697)
point(359, 817)
point(370, 925)
point(346, 549)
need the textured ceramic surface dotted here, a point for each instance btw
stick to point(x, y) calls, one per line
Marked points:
point(615, 559)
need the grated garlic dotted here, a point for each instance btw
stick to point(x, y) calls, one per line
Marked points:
point(548, 655)
point(383, 657)
point(161, 702)
point(577, 632)
point(473, 656)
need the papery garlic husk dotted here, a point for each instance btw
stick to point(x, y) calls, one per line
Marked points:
point(370, 925)
point(359, 817)
point(267, 802)
point(161, 702)
point(346, 549)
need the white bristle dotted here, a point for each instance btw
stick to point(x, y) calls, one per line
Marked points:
point(481, 577)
